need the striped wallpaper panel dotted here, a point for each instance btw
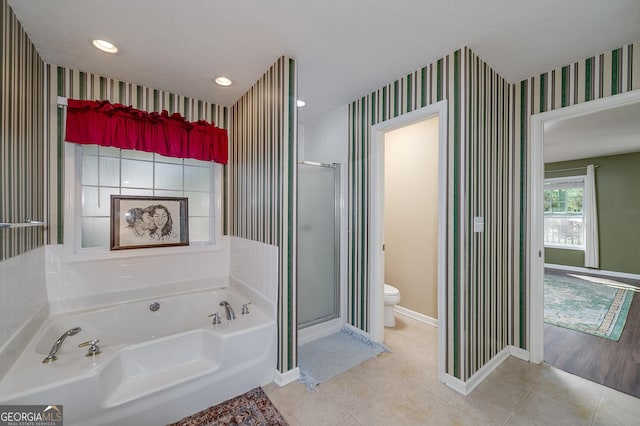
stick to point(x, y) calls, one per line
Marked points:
point(69, 83)
point(610, 73)
point(437, 81)
point(262, 184)
point(490, 257)
point(21, 137)
point(593, 78)
point(482, 169)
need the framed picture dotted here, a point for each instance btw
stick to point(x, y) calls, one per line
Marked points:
point(143, 222)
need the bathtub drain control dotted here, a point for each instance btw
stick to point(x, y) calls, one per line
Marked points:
point(154, 306)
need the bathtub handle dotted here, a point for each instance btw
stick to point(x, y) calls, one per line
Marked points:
point(93, 349)
point(216, 318)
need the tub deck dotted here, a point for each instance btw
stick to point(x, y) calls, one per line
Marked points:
point(173, 360)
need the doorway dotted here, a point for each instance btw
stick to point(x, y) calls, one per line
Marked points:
point(376, 222)
point(411, 218)
point(542, 124)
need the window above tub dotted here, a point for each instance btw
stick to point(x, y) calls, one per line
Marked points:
point(94, 173)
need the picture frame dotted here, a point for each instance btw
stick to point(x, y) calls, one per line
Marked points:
point(146, 222)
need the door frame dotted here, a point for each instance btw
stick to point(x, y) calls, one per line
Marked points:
point(376, 221)
point(535, 212)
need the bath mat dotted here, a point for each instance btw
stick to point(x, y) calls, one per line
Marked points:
point(329, 356)
point(593, 305)
point(251, 408)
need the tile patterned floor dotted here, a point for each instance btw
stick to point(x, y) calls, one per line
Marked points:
point(401, 388)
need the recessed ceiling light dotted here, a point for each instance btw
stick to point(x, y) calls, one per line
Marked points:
point(300, 103)
point(223, 81)
point(105, 46)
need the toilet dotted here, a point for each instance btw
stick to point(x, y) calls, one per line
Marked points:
point(391, 298)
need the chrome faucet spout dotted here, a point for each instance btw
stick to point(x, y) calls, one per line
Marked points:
point(229, 310)
point(56, 346)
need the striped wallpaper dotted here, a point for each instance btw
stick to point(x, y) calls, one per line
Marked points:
point(262, 184)
point(21, 137)
point(491, 258)
point(487, 157)
point(488, 142)
point(610, 73)
point(75, 84)
point(482, 170)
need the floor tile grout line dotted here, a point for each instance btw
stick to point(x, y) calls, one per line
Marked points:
point(529, 392)
point(595, 412)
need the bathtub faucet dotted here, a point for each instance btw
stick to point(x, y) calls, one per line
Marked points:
point(56, 346)
point(227, 307)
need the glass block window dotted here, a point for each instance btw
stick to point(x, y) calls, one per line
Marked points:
point(111, 171)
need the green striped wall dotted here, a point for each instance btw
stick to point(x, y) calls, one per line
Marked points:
point(261, 187)
point(21, 136)
point(593, 78)
point(610, 73)
point(491, 259)
point(76, 84)
point(483, 168)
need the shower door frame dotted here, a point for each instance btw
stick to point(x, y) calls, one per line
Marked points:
point(336, 246)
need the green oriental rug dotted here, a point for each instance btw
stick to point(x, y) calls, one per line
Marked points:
point(589, 304)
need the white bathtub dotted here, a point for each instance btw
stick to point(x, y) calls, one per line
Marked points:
point(155, 367)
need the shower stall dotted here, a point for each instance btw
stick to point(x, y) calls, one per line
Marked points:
point(318, 243)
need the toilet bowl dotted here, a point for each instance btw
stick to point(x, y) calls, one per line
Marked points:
point(391, 298)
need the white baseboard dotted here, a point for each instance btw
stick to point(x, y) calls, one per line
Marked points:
point(593, 271)
point(520, 353)
point(416, 315)
point(283, 379)
point(487, 369)
point(455, 384)
point(465, 388)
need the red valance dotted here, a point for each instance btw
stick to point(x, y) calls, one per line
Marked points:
point(106, 124)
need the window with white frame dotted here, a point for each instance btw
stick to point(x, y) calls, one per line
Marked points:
point(563, 212)
point(111, 171)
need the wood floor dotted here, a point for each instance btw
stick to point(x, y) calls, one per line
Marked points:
point(604, 361)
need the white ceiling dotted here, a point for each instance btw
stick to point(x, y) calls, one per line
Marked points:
point(608, 132)
point(344, 48)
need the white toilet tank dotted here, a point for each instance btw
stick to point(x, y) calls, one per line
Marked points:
point(390, 290)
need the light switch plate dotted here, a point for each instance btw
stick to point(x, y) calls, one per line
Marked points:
point(478, 224)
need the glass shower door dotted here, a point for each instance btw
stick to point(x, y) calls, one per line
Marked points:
point(318, 208)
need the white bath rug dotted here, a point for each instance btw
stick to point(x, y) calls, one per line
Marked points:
point(329, 356)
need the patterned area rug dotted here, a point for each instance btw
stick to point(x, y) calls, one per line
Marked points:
point(252, 408)
point(589, 304)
